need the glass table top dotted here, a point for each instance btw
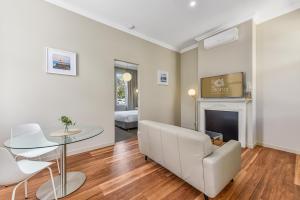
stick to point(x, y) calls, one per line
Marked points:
point(45, 139)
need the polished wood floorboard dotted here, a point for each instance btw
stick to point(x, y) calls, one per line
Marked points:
point(297, 171)
point(120, 172)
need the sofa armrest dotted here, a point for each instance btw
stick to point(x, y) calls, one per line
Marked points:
point(220, 167)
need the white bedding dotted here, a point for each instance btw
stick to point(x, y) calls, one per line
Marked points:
point(126, 116)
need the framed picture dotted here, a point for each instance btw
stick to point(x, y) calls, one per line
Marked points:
point(60, 62)
point(162, 78)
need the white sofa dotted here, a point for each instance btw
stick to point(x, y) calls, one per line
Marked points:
point(190, 155)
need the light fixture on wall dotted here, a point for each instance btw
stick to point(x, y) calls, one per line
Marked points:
point(192, 93)
point(137, 91)
point(127, 77)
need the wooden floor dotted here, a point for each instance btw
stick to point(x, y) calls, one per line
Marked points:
point(120, 172)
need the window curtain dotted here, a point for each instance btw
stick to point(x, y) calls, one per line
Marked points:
point(132, 86)
point(132, 94)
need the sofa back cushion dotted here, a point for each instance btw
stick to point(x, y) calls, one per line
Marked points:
point(170, 149)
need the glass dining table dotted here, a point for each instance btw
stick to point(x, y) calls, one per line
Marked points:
point(66, 182)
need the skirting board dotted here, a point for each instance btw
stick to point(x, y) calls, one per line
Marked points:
point(52, 156)
point(279, 148)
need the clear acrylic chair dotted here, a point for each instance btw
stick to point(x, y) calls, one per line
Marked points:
point(12, 171)
point(31, 133)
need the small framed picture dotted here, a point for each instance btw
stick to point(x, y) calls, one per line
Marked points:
point(61, 62)
point(162, 78)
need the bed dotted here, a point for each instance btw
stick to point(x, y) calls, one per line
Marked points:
point(126, 119)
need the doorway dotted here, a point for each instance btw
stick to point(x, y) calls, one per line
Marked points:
point(126, 100)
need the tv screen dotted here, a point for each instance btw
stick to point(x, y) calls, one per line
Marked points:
point(223, 86)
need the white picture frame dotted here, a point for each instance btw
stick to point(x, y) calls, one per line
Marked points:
point(60, 62)
point(162, 77)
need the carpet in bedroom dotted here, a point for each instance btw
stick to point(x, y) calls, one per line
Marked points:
point(122, 134)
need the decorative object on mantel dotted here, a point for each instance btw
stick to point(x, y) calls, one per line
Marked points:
point(66, 121)
point(192, 93)
point(248, 92)
point(223, 86)
point(61, 62)
point(162, 77)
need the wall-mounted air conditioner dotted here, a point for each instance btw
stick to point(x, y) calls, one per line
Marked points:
point(224, 37)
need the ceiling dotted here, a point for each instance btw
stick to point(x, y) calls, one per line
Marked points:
point(173, 23)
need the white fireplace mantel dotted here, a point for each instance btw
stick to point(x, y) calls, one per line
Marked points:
point(230, 100)
point(233, 105)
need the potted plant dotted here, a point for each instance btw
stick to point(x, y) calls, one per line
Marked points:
point(66, 121)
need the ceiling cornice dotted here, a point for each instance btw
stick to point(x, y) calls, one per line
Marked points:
point(276, 13)
point(214, 32)
point(111, 24)
point(222, 28)
point(257, 20)
point(193, 46)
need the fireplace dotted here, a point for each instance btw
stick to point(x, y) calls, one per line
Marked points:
point(233, 111)
point(224, 122)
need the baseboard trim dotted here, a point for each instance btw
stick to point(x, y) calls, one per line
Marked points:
point(252, 146)
point(76, 151)
point(272, 146)
point(85, 149)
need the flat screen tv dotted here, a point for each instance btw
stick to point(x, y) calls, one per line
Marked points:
point(223, 86)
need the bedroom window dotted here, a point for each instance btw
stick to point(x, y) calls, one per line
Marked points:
point(121, 90)
point(126, 86)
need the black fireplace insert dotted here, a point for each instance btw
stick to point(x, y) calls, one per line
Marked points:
point(224, 122)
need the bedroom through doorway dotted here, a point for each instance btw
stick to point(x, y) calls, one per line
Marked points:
point(126, 100)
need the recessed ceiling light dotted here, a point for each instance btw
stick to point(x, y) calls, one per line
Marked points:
point(193, 3)
point(131, 27)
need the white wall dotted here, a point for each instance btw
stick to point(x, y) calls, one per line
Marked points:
point(28, 94)
point(278, 82)
point(228, 58)
point(189, 79)
point(237, 56)
point(276, 46)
